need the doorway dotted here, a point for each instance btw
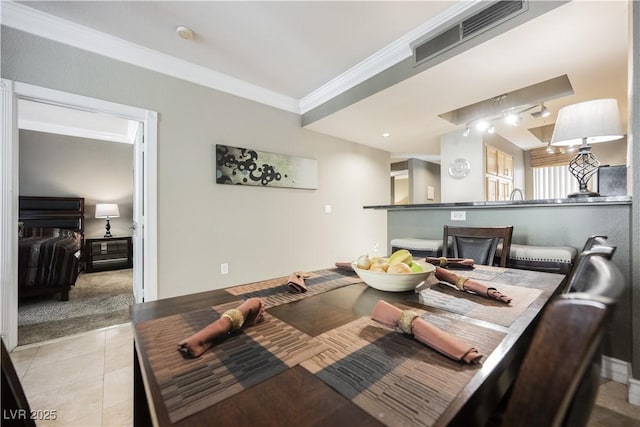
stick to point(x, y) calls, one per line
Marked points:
point(145, 192)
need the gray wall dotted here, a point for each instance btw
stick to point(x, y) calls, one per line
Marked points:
point(423, 175)
point(545, 225)
point(66, 166)
point(260, 232)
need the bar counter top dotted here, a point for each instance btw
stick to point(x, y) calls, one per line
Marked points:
point(575, 201)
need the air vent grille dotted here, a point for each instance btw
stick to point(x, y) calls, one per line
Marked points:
point(437, 44)
point(490, 16)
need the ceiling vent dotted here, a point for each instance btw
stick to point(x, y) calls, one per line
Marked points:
point(483, 20)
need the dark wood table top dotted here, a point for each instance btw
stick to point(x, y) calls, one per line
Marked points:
point(298, 397)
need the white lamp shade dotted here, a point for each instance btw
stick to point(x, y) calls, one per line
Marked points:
point(597, 121)
point(107, 210)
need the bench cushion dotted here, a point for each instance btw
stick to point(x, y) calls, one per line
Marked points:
point(554, 259)
point(541, 253)
point(418, 247)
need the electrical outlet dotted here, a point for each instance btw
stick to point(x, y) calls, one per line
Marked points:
point(224, 268)
point(458, 216)
point(327, 209)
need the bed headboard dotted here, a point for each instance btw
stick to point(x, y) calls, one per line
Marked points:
point(52, 212)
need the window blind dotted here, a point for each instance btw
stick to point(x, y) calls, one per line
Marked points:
point(553, 182)
point(541, 158)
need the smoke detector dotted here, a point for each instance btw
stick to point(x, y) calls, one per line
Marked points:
point(185, 32)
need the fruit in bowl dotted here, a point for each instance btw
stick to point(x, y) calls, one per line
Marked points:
point(398, 273)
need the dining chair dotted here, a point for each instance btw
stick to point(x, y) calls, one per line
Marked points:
point(559, 378)
point(605, 248)
point(477, 243)
point(15, 407)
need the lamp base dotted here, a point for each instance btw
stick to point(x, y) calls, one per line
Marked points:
point(583, 166)
point(107, 227)
point(585, 193)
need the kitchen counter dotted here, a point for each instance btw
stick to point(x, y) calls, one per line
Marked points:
point(574, 201)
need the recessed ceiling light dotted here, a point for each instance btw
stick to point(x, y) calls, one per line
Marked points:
point(184, 32)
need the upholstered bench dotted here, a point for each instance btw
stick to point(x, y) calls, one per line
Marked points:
point(418, 247)
point(552, 259)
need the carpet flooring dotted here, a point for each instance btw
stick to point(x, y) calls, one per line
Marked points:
point(97, 300)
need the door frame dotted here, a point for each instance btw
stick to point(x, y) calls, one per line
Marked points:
point(145, 188)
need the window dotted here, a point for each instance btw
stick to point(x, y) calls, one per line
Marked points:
point(556, 182)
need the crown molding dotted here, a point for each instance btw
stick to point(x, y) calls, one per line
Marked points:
point(33, 21)
point(385, 58)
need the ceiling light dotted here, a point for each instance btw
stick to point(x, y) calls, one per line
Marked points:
point(513, 119)
point(550, 149)
point(185, 32)
point(483, 125)
point(386, 135)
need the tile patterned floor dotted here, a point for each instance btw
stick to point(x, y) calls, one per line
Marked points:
point(88, 380)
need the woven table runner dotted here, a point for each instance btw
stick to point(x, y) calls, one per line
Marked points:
point(448, 298)
point(246, 358)
point(393, 377)
point(275, 291)
point(483, 272)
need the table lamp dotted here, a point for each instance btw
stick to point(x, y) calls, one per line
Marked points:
point(586, 123)
point(107, 210)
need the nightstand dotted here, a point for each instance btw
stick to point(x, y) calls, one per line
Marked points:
point(111, 253)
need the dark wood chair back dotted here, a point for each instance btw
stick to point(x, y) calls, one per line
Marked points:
point(602, 246)
point(477, 243)
point(15, 407)
point(559, 378)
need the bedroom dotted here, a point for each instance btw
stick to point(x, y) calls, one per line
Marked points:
point(61, 157)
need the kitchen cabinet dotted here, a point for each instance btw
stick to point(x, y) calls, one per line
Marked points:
point(498, 173)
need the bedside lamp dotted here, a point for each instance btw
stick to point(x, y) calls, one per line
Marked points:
point(107, 210)
point(586, 123)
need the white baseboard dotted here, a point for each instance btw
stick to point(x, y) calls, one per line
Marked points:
point(634, 391)
point(620, 372)
point(615, 370)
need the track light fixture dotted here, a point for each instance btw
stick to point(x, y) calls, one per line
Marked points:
point(512, 116)
point(544, 112)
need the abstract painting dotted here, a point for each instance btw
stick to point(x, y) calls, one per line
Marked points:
point(244, 166)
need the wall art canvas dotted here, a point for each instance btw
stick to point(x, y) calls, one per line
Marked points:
point(244, 166)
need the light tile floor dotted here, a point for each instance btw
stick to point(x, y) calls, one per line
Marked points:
point(87, 380)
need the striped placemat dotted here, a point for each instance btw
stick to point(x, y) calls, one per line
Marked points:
point(275, 291)
point(393, 377)
point(246, 358)
point(448, 298)
point(483, 272)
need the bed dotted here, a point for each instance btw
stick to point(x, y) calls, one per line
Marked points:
point(50, 241)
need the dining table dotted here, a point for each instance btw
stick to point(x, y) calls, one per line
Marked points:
point(318, 358)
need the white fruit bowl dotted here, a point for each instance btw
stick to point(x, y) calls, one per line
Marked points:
point(394, 282)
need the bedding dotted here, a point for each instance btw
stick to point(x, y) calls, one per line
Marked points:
point(48, 258)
